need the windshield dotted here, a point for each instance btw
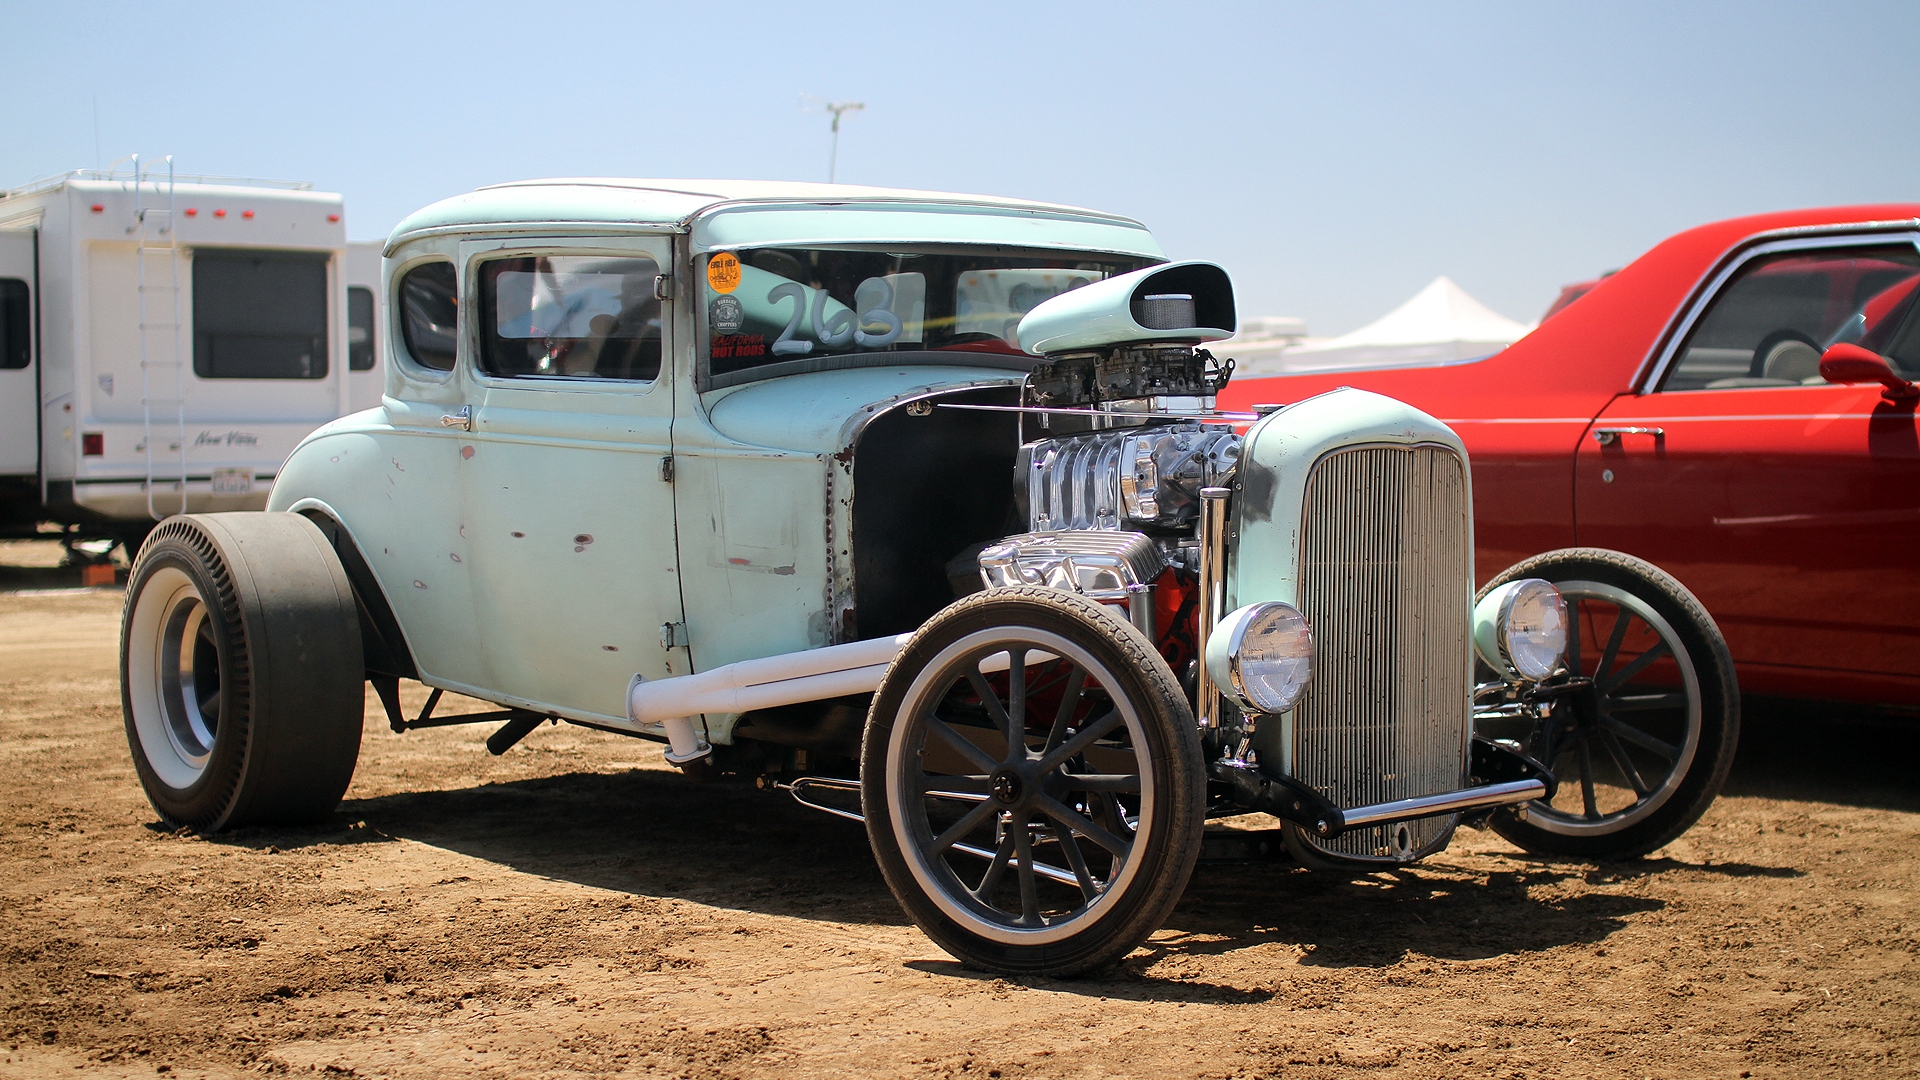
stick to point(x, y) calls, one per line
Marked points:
point(773, 311)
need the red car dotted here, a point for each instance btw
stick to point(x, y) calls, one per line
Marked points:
point(1733, 407)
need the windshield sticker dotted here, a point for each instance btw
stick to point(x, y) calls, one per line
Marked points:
point(726, 315)
point(728, 346)
point(723, 271)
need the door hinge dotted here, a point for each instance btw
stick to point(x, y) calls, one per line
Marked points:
point(673, 635)
point(666, 469)
point(663, 287)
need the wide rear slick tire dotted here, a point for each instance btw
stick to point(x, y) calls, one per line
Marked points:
point(241, 675)
point(1672, 727)
point(1056, 850)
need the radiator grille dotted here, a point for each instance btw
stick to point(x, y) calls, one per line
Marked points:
point(1386, 583)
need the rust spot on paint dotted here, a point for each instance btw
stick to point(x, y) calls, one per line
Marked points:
point(611, 648)
point(740, 562)
point(466, 451)
point(418, 584)
point(583, 538)
point(844, 457)
point(518, 535)
point(397, 465)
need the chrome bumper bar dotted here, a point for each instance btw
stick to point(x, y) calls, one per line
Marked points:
point(1451, 802)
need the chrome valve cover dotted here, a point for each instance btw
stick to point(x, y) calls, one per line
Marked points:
point(1105, 566)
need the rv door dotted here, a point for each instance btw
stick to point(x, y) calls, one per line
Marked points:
point(19, 391)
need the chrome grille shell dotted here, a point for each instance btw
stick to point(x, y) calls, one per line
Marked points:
point(1385, 578)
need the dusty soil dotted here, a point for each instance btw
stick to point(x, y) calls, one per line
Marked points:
point(575, 908)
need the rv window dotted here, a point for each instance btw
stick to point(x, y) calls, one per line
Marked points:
point(570, 316)
point(429, 310)
point(259, 314)
point(359, 328)
point(16, 324)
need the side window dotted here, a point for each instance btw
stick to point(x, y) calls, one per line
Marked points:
point(429, 314)
point(259, 314)
point(16, 324)
point(570, 316)
point(1772, 320)
point(360, 339)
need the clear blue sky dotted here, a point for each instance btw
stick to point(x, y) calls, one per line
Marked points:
point(1335, 157)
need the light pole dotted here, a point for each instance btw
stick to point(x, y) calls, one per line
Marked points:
point(838, 108)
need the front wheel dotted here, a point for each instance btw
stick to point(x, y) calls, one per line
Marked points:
point(241, 677)
point(1032, 783)
point(1643, 743)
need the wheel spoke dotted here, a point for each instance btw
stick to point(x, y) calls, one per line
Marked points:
point(1637, 702)
point(991, 700)
point(1069, 703)
point(1639, 664)
point(1634, 735)
point(979, 758)
point(1587, 799)
point(1083, 825)
point(1620, 760)
point(1620, 623)
point(1079, 864)
point(1077, 745)
point(1573, 636)
point(949, 786)
point(1017, 703)
point(1102, 781)
point(995, 870)
point(1029, 888)
point(968, 822)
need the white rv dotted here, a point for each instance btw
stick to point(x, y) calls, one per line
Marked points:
point(165, 342)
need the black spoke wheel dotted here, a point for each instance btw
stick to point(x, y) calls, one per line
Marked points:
point(1644, 733)
point(1032, 783)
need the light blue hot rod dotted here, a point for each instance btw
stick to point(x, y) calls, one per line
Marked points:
point(910, 497)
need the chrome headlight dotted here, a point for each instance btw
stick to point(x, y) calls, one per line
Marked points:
point(1520, 629)
point(1262, 654)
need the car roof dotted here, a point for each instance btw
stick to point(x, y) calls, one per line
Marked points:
point(670, 205)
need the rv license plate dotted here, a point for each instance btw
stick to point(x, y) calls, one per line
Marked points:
point(233, 481)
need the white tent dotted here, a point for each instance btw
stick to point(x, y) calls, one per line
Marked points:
point(1440, 325)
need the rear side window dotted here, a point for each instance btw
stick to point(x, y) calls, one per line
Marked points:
point(429, 314)
point(259, 314)
point(360, 337)
point(570, 316)
point(16, 324)
point(1772, 320)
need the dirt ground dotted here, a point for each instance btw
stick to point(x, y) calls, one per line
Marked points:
point(576, 908)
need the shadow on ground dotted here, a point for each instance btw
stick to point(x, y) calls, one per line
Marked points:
point(1827, 753)
point(653, 833)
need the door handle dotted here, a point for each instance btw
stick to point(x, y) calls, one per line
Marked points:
point(1607, 436)
point(462, 419)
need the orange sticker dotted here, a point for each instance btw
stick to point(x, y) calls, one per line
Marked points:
point(723, 271)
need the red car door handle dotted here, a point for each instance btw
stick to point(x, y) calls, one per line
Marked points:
point(1607, 436)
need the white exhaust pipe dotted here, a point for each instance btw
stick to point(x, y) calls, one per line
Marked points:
point(812, 675)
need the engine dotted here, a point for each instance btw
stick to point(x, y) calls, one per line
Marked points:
point(1113, 513)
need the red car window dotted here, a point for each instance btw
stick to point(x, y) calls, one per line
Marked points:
point(1769, 324)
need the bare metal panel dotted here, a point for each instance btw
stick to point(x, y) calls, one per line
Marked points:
point(1386, 582)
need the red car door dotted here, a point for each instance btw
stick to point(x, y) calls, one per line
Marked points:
point(1789, 506)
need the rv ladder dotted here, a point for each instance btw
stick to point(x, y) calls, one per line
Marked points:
point(160, 329)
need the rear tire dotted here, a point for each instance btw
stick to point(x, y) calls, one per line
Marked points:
point(241, 677)
point(1642, 756)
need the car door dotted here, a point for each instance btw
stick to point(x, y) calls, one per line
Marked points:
point(1791, 507)
point(569, 521)
point(19, 385)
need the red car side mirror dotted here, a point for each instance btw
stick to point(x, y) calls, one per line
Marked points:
point(1845, 363)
